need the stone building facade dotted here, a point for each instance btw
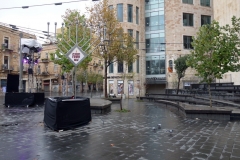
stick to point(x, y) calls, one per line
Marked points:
point(223, 11)
point(183, 18)
point(9, 54)
point(165, 31)
point(46, 74)
point(131, 16)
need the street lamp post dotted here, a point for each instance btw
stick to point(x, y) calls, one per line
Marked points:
point(20, 64)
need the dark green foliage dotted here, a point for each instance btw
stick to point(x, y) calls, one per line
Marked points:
point(181, 67)
point(216, 51)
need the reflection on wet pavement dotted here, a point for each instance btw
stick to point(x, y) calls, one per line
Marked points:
point(118, 136)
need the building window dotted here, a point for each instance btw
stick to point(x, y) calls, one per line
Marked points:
point(111, 68)
point(120, 12)
point(154, 4)
point(187, 1)
point(187, 40)
point(130, 13)
point(205, 3)
point(154, 21)
point(155, 42)
point(137, 64)
point(6, 42)
point(110, 7)
point(130, 88)
point(170, 66)
point(55, 68)
point(120, 89)
point(187, 19)
point(205, 19)
point(155, 65)
point(137, 15)
point(137, 39)
point(130, 32)
point(130, 68)
point(120, 67)
point(111, 86)
point(5, 62)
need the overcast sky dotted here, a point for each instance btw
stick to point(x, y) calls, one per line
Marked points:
point(37, 17)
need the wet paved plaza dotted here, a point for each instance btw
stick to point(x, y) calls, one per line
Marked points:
point(23, 136)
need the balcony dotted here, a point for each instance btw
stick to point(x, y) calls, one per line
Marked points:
point(5, 67)
point(45, 60)
point(44, 74)
point(7, 48)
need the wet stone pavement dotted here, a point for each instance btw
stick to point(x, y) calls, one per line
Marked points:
point(23, 136)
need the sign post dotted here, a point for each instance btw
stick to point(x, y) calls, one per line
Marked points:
point(76, 55)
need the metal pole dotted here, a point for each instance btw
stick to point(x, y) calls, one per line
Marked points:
point(75, 68)
point(20, 64)
point(48, 23)
point(55, 29)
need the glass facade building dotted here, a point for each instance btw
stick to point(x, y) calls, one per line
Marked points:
point(155, 39)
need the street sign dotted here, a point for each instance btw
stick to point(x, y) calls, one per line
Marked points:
point(76, 55)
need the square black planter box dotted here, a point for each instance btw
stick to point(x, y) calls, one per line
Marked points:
point(63, 113)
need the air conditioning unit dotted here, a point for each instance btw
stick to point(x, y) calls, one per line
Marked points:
point(4, 66)
point(3, 46)
point(56, 75)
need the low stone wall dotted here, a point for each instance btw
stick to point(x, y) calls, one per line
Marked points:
point(198, 111)
point(100, 106)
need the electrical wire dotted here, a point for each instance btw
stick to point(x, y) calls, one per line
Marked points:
point(39, 5)
point(43, 33)
point(15, 26)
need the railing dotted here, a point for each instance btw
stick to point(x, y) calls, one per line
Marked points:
point(45, 60)
point(6, 67)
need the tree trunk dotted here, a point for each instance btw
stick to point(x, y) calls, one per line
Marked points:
point(178, 84)
point(121, 102)
point(105, 79)
point(91, 89)
point(128, 92)
point(210, 95)
point(82, 87)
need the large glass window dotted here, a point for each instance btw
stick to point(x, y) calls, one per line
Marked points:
point(187, 40)
point(205, 19)
point(111, 87)
point(111, 68)
point(154, 21)
point(188, 1)
point(137, 39)
point(130, 13)
point(155, 42)
point(154, 4)
point(120, 67)
point(155, 65)
point(120, 12)
point(187, 19)
point(137, 15)
point(130, 88)
point(120, 88)
point(205, 3)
